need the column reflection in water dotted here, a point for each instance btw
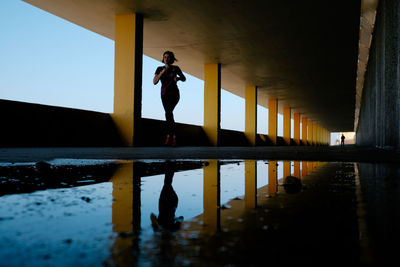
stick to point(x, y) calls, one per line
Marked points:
point(211, 196)
point(125, 213)
point(286, 169)
point(304, 168)
point(250, 196)
point(272, 178)
point(310, 167)
point(297, 169)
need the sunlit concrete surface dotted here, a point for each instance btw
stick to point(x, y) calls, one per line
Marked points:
point(225, 212)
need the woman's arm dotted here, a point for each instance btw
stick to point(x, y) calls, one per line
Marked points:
point(181, 76)
point(158, 76)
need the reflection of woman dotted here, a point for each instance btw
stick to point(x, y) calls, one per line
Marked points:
point(167, 205)
point(169, 76)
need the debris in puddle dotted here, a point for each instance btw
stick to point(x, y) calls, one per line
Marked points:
point(87, 199)
point(85, 181)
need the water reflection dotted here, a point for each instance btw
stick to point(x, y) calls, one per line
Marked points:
point(167, 204)
point(272, 178)
point(136, 236)
point(126, 214)
point(250, 196)
point(211, 196)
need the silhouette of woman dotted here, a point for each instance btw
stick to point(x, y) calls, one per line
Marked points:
point(169, 75)
point(167, 205)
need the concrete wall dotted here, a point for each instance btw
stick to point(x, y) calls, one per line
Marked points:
point(379, 114)
point(35, 125)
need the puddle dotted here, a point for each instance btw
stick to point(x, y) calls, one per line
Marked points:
point(94, 213)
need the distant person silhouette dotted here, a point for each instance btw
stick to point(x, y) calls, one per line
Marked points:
point(342, 138)
point(167, 205)
point(169, 75)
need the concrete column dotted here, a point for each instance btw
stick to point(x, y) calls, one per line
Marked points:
point(310, 137)
point(211, 195)
point(128, 76)
point(304, 130)
point(250, 129)
point(250, 184)
point(286, 124)
point(314, 134)
point(212, 102)
point(272, 178)
point(273, 120)
point(296, 126)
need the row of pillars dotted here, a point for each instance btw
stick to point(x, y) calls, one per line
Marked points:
point(126, 207)
point(128, 95)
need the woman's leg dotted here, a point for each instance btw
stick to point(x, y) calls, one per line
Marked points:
point(170, 100)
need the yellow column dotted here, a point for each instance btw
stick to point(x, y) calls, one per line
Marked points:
point(250, 184)
point(310, 137)
point(250, 129)
point(128, 76)
point(211, 195)
point(296, 133)
point(315, 127)
point(286, 169)
point(304, 130)
point(212, 102)
point(272, 178)
point(319, 135)
point(326, 137)
point(286, 125)
point(297, 169)
point(273, 120)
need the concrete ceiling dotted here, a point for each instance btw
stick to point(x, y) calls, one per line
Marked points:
point(302, 52)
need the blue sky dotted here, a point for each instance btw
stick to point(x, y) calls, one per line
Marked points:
point(48, 60)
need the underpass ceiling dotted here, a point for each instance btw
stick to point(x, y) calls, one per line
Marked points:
point(302, 52)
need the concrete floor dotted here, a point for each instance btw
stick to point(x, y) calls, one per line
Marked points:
point(331, 153)
point(345, 213)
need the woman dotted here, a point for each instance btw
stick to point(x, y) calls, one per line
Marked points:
point(169, 76)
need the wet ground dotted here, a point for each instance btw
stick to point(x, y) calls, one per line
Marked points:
point(198, 212)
